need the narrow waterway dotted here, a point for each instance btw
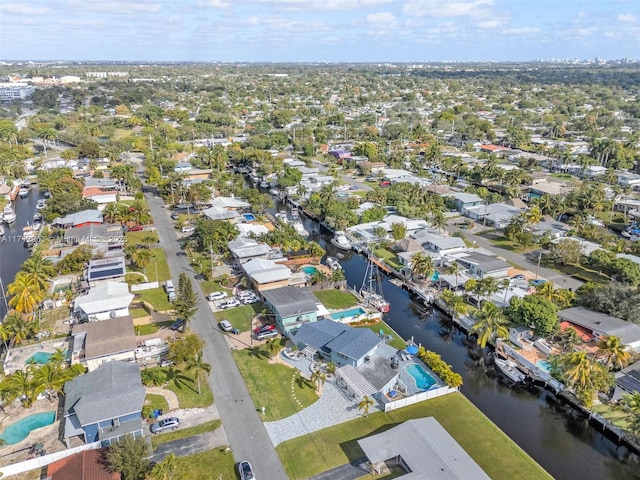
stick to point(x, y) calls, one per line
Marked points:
point(553, 433)
point(12, 251)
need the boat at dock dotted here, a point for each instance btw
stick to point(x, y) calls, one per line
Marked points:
point(372, 296)
point(41, 204)
point(8, 215)
point(333, 263)
point(509, 369)
point(340, 240)
point(24, 191)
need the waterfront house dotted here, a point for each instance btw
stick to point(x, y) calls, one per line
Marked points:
point(541, 188)
point(103, 237)
point(104, 404)
point(94, 344)
point(267, 274)
point(292, 307)
point(230, 203)
point(627, 381)
point(104, 301)
point(244, 249)
point(628, 180)
point(338, 343)
point(433, 242)
point(424, 449)
point(79, 219)
point(100, 196)
point(220, 213)
point(601, 325)
point(109, 268)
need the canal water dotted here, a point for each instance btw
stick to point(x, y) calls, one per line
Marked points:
point(553, 433)
point(12, 251)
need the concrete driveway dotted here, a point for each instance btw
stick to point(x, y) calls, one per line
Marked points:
point(241, 421)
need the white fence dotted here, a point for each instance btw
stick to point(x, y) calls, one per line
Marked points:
point(45, 460)
point(418, 397)
point(138, 287)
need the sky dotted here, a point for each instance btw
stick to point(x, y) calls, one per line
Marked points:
point(318, 30)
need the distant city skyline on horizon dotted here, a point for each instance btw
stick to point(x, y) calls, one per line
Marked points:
point(319, 31)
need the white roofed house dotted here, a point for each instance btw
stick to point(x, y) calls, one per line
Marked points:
point(603, 325)
point(230, 203)
point(482, 266)
point(104, 301)
point(497, 214)
point(267, 274)
point(244, 249)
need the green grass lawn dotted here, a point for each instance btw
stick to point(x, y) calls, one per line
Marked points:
point(579, 272)
point(241, 317)
point(212, 464)
point(156, 402)
point(185, 432)
point(209, 286)
point(389, 258)
point(184, 386)
point(149, 328)
point(492, 449)
point(270, 384)
point(136, 238)
point(159, 265)
point(157, 297)
point(397, 341)
point(138, 312)
point(332, 298)
point(506, 244)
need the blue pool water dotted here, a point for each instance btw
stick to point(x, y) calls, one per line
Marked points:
point(424, 381)
point(249, 217)
point(544, 365)
point(435, 276)
point(348, 313)
point(40, 358)
point(309, 270)
point(18, 431)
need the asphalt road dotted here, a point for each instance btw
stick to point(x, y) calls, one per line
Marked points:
point(245, 430)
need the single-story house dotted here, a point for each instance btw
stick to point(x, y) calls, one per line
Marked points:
point(182, 167)
point(230, 203)
point(438, 244)
point(482, 265)
point(244, 249)
point(220, 213)
point(593, 171)
point(424, 449)
point(537, 190)
point(628, 179)
point(105, 404)
point(85, 465)
point(292, 307)
point(247, 229)
point(79, 219)
point(103, 183)
point(99, 195)
point(267, 274)
point(94, 344)
point(337, 342)
point(497, 214)
point(109, 268)
point(104, 301)
point(602, 325)
point(109, 235)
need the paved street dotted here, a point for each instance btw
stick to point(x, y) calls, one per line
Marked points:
point(529, 262)
point(247, 435)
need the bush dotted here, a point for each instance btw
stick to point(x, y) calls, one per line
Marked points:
point(440, 368)
point(153, 377)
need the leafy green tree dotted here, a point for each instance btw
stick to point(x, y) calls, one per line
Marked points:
point(373, 214)
point(272, 346)
point(167, 469)
point(398, 231)
point(290, 177)
point(186, 303)
point(422, 265)
point(185, 347)
point(583, 375)
point(129, 457)
point(566, 252)
point(214, 233)
point(534, 311)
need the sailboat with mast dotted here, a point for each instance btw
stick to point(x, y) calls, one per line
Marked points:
point(372, 295)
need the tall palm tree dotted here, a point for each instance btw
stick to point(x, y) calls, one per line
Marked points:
point(18, 328)
point(453, 269)
point(422, 264)
point(456, 303)
point(490, 286)
point(318, 377)
point(142, 257)
point(491, 324)
point(337, 276)
point(42, 269)
point(27, 293)
point(196, 365)
point(21, 384)
point(365, 404)
point(273, 347)
point(58, 358)
point(504, 285)
point(614, 352)
point(318, 277)
point(50, 379)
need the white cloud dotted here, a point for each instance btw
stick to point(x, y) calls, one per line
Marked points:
point(521, 30)
point(382, 17)
point(213, 4)
point(627, 17)
point(445, 8)
point(116, 7)
point(20, 9)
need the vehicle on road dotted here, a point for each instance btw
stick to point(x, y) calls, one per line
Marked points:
point(225, 325)
point(354, 187)
point(518, 277)
point(231, 303)
point(245, 470)
point(217, 296)
point(164, 425)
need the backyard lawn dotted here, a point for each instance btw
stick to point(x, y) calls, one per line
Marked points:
point(213, 286)
point(158, 263)
point(333, 298)
point(270, 384)
point(496, 453)
point(388, 257)
point(397, 342)
point(157, 297)
point(240, 317)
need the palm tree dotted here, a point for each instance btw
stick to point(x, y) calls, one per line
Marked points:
point(318, 377)
point(166, 469)
point(26, 291)
point(318, 277)
point(456, 303)
point(272, 346)
point(50, 378)
point(199, 367)
point(490, 286)
point(439, 221)
point(21, 384)
point(337, 276)
point(422, 264)
point(142, 257)
point(631, 403)
point(614, 352)
point(491, 324)
point(453, 269)
point(58, 358)
point(42, 269)
point(569, 338)
point(365, 404)
point(18, 328)
point(504, 285)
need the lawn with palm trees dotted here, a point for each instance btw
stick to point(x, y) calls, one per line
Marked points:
point(276, 386)
point(185, 383)
point(494, 451)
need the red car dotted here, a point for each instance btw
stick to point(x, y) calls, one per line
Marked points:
point(136, 228)
point(385, 184)
point(265, 328)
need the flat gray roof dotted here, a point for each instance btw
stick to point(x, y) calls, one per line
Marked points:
point(628, 332)
point(426, 448)
point(291, 301)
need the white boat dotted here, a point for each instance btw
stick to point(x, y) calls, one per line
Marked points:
point(372, 296)
point(282, 216)
point(509, 369)
point(41, 204)
point(29, 236)
point(8, 215)
point(151, 348)
point(300, 229)
point(24, 192)
point(333, 263)
point(340, 240)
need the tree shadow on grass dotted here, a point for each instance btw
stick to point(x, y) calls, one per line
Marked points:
point(303, 382)
point(181, 382)
point(258, 352)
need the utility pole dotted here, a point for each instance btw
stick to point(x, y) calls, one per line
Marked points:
point(538, 267)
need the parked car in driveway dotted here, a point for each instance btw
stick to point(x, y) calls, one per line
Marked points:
point(164, 425)
point(518, 277)
point(245, 470)
point(213, 296)
point(225, 325)
point(136, 228)
point(265, 328)
point(177, 325)
point(231, 303)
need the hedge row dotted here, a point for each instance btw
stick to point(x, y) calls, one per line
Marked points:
point(440, 367)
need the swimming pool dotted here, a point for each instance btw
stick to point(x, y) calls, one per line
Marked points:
point(544, 365)
point(18, 431)
point(40, 358)
point(435, 276)
point(423, 380)
point(309, 270)
point(249, 217)
point(354, 312)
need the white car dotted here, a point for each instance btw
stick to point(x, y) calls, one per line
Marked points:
point(213, 296)
point(231, 303)
point(188, 229)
